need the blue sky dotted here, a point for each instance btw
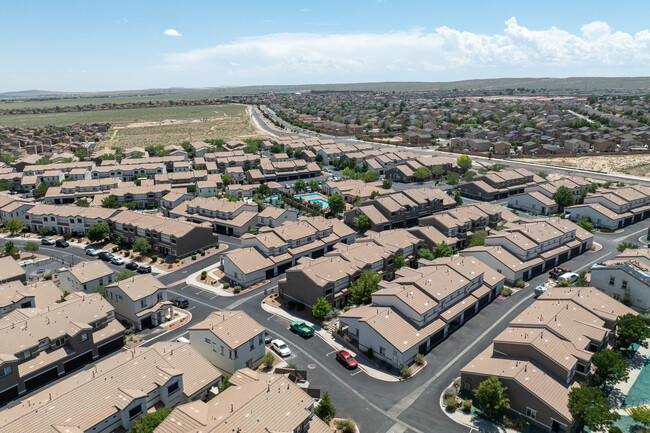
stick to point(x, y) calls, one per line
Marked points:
point(114, 45)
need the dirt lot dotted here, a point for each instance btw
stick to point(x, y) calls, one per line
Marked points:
point(635, 165)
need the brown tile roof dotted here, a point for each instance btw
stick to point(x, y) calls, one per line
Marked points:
point(234, 328)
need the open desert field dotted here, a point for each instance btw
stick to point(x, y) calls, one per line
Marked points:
point(636, 165)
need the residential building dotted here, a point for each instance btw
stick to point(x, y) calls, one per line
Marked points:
point(499, 184)
point(15, 295)
point(140, 300)
point(233, 218)
point(65, 219)
point(627, 277)
point(85, 277)
point(10, 270)
point(613, 208)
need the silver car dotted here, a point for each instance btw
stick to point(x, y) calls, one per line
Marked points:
point(280, 347)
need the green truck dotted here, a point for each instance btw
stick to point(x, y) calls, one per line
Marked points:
point(301, 328)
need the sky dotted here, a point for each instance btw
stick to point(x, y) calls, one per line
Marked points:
point(120, 45)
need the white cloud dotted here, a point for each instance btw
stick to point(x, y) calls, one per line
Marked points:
point(444, 54)
point(171, 32)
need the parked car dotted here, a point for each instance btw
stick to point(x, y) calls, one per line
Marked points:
point(301, 328)
point(91, 251)
point(180, 302)
point(348, 361)
point(47, 241)
point(182, 340)
point(117, 260)
point(61, 243)
point(267, 338)
point(571, 277)
point(105, 256)
point(144, 269)
point(557, 271)
point(280, 347)
point(132, 266)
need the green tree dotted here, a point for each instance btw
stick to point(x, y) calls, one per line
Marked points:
point(400, 262)
point(386, 183)
point(321, 309)
point(10, 249)
point(585, 223)
point(492, 395)
point(80, 153)
point(82, 202)
point(110, 202)
point(626, 246)
point(607, 184)
point(453, 178)
point(14, 226)
point(41, 190)
point(542, 174)
point(458, 199)
point(5, 186)
point(124, 274)
point(442, 250)
point(374, 195)
point(336, 203)
point(370, 176)
point(147, 423)
point(592, 187)
point(582, 280)
point(226, 180)
point(589, 408)
point(477, 239)
point(313, 184)
point(325, 410)
point(469, 176)
point(44, 161)
point(464, 162)
point(32, 247)
point(98, 232)
point(437, 171)
point(363, 223)
point(563, 197)
point(263, 190)
point(361, 290)
point(422, 174)
point(299, 186)
point(631, 329)
point(276, 148)
point(641, 414)
point(225, 383)
point(43, 231)
point(131, 205)
point(611, 367)
point(142, 246)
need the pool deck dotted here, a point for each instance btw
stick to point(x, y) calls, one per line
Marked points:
point(622, 389)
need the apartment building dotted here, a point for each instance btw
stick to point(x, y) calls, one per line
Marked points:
point(39, 170)
point(401, 209)
point(420, 308)
point(10, 270)
point(69, 192)
point(232, 218)
point(330, 276)
point(15, 295)
point(352, 189)
point(230, 340)
point(146, 196)
point(111, 395)
point(182, 179)
point(499, 184)
point(48, 342)
point(249, 394)
point(625, 277)
point(65, 219)
point(129, 172)
point(546, 351)
point(165, 235)
point(282, 171)
point(275, 249)
point(613, 208)
point(85, 277)
point(142, 301)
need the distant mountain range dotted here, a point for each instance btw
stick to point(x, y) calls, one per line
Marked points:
point(581, 83)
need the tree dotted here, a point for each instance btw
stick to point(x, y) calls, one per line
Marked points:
point(492, 396)
point(147, 423)
point(32, 247)
point(477, 239)
point(453, 178)
point(632, 330)
point(582, 280)
point(131, 205)
point(141, 245)
point(263, 190)
point(313, 184)
point(422, 174)
point(641, 414)
point(442, 250)
point(370, 176)
point(10, 249)
point(110, 202)
point(325, 410)
point(611, 367)
point(386, 183)
point(82, 202)
point(14, 226)
point(458, 199)
point(363, 223)
point(43, 231)
point(5, 186)
point(464, 162)
point(589, 407)
point(607, 184)
point(437, 171)
point(542, 174)
point(585, 223)
point(41, 190)
point(297, 153)
point(98, 232)
point(299, 186)
point(336, 203)
point(374, 195)
point(124, 274)
point(226, 180)
point(225, 383)
point(400, 262)
point(276, 148)
point(80, 153)
point(563, 197)
point(469, 176)
point(321, 309)
point(361, 291)
point(626, 246)
point(592, 187)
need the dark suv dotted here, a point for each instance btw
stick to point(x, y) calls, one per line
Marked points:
point(144, 269)
point(180, 302)
point(105, 255)
point(61, 243)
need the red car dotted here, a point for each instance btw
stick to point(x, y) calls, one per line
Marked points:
point(346, 359)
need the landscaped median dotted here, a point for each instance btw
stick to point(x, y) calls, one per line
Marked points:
point(181, 318)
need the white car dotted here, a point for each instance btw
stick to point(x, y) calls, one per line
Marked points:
point(117, 260)
point(280, 347)
point(92, 251)
point(182, 340)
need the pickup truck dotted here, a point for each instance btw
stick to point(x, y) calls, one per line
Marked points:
point(301, 328)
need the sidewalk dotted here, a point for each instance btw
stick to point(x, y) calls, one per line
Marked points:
point(217, 290)
point(363, 363)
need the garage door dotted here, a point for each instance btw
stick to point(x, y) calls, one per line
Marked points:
point(111, 346)
point(8, 395)
point(146, 322)
point(41, 379)
point(78, 362)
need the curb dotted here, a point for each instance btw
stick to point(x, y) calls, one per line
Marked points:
point(598, 247)
point(189, 319)
point(417, 370)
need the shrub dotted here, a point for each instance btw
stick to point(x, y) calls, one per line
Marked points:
point(169, 266)
point(226, 285)
point(47, 276)
point(346, 308)
point(520, 284)
point(194, 257)
point(202, 253)
point(154, 258)
point(347, 426)
point(405, 371)
point(506, 291)
point(116, 249)
point(457, 383)
point(268, 360)
point(177, 260)
point(467, 406)
point(204, 275)
point(236, 289)
point(451, 403)
point(419, 359)
point(451, 392)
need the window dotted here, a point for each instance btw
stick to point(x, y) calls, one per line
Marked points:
point(160, 297)
point(26, 354)
point(611, 281)
point(135, 411)
point(236, 355)
point(143, 302)
point(230, 354)
point(59, 342)
point(5, 371)
point(382, 351)
point(624, 285)
point(83, 337)
point(260, 340)
point(530, 413)
point(173, 388)
point(252, 345)
point(223, 351)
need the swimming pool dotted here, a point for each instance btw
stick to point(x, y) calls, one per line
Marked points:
point(315, 198)
point(323, 203)
point(308, 197)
